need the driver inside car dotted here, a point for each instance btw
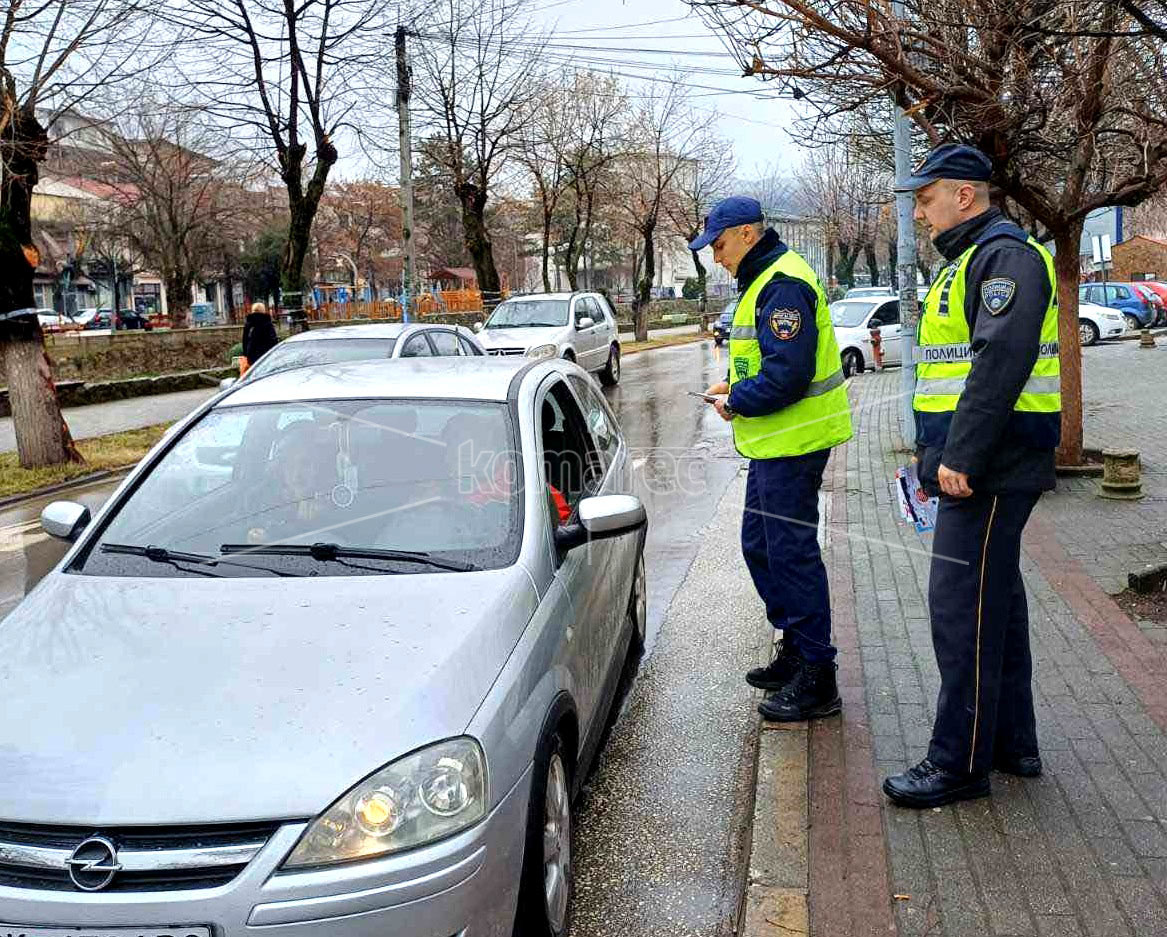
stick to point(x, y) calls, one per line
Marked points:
point(300, 500)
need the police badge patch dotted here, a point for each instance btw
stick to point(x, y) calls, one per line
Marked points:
point(785, 323)
point(741, 367)
point(997, 294)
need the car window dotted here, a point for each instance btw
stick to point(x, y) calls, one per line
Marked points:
point(850, 313)
point(597, 418)
point(439, 477)
point(571, 463)
point(1118, 292)
point(468, 347)
point(446, 343)
point(321, 351)
point(889, 313)
point(417, 347)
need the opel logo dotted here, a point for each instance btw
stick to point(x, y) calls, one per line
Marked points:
point(93, 864)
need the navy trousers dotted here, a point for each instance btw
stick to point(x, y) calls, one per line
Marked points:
point(980, 631)
point(781, 548)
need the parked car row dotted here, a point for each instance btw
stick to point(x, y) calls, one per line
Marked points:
point(1142, 304)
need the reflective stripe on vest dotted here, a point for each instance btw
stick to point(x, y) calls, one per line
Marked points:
point(822, 417)
point(944, 352)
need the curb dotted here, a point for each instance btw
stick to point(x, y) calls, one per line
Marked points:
point(79, 482)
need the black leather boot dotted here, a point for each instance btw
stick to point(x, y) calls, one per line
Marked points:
point(1024, 766)
point(779, 672)
point(929, 785)
point(811, 693)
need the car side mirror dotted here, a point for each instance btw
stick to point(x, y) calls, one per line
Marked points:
point(601, 518)
point(227, 382)
point(585, 323)
point(478, 326)
point(64, 519)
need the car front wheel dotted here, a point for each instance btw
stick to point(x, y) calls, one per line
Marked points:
point(1132, 323)
point(610, 376)
point(545, 891)
point(1087, 332)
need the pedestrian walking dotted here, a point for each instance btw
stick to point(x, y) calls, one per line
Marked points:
point(787, 405)
point(987, 409)
point(259, 334)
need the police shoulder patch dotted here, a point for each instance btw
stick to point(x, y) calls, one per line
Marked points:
point(997, 294)
point(785, 323)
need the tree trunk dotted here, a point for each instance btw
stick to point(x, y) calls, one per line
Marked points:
point(1069, 271)
point(302, 205)
point(473, 202)
point(872, 262)
point(547, 251)
point(42, 438)
point(848, 255)
point(893, 263)
point(644, 287)
point(831, 275)
point(178, 300)
point(229, 282)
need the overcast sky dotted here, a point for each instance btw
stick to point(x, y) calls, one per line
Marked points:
point(754, 126)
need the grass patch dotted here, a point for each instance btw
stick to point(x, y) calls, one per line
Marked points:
point(117, 450)
point(629, 348)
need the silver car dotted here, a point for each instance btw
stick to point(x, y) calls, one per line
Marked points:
point(361, 342)
point(580, 327)
point(333, 660)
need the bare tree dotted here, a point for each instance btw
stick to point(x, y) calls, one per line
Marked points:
point(1067, 98)
point(706, 178)
point(662, 136)
point(173, 201)
point(542, 148)
point(473, 95)
point(360, 222)
point(55, 55)
point(287, 76)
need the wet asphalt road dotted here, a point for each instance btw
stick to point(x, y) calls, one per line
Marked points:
point(685, 466)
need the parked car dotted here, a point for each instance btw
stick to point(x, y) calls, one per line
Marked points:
point(1140, 307)
point(724, 323)
point(1160, 290)
point(1097, 322)
point(361, 343)
point(854, 319)
point(386, 741)
point(580, 327)
point(125, 319)
point(859, 292)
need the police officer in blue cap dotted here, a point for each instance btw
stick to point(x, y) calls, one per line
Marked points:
point(987, 408)
point(787, 405)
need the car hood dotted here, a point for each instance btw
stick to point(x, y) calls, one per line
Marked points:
point(168, 701)
point(521, 338)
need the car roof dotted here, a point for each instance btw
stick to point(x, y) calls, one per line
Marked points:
point(561, 295)
point(371, 330)
point(449, 378)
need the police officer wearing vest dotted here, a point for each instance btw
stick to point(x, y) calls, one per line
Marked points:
point(987, 408)
point(787, 406)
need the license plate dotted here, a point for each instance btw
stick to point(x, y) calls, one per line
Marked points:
point(22, 930)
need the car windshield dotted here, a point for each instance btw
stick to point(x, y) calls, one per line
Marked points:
point(321, 351)
point(850, 313)
point(529, 313)
point(438, 479)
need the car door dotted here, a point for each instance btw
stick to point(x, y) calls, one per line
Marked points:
point(891, 341)
point(570, 464)
point(588, 340)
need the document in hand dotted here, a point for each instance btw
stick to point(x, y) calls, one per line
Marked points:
point(915, 506)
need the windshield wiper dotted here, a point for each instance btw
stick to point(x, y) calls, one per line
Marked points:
point(174, 557)
point(327, 552)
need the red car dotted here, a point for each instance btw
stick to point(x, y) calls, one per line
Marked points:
point(1160, 290)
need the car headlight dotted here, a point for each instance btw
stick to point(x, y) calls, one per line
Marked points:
point(543, 351)
point(431, 794)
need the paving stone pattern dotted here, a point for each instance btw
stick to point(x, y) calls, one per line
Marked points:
point(1080, 851)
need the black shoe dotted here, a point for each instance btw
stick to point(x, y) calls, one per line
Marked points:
point(812, 692)
point(779, 672)
point(928, 785)
point(1024, 766)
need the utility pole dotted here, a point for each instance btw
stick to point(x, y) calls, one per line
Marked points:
point(408, 257)
point(906, 261)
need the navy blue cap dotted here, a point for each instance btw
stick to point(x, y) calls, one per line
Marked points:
point(728, 213)
point(950, 161)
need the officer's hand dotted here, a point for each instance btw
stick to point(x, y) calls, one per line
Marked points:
point(719, 406)
point(954, 484)
point(718, 390)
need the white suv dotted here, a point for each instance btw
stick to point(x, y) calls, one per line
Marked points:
point(580, 327)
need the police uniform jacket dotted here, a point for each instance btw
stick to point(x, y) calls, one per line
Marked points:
point(1000, 450)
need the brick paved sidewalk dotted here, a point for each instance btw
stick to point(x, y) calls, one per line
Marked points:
point(1080, 851)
